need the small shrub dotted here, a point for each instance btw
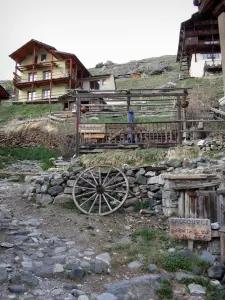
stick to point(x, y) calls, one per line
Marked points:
point(175, 262)
point(143, 205)
point(70, 205)
point(145, 233)
point(166, 291)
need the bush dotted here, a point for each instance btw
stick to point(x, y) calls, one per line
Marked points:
point(166, 291)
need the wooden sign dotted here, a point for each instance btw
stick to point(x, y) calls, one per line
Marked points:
point(94, 136)
point(190, 229)
point(92, 128)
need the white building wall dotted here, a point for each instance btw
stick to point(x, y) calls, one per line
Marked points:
point(105, 83)
point(198, 63)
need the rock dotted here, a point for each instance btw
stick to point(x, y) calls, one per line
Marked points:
point(158, 195)
point(140, 179)
point(70, 183)
point(44, 189)
point(57, 292)
point(157, 180)
point(17, 289)
point(142, 287)
point(43, 199)
point(215, 282)
point(208, 257)
point(68, 190)
point(26, 278)
point(38, 292)
point(176, 163)
point(185, 253)
point(135, 265)
point(150, 174)
point(57, 181)
point(62, 199)
point(106, 296)
point(216, 272)
point(130, 173)
point(196, 289)
point(3, 275)
point(105, 257)
point(154, 187)
point(55, 190)
point(69, 286)
point(60, 250)
point(77, 273)
point(76, 292)
point(152, 268)
point(44, 272)
point(99, 267)
point(83, 297)
point(196, 270)
point(85, 265)
point(6, 245)
point(58, 268)
point(180, 276)
point(131, 202)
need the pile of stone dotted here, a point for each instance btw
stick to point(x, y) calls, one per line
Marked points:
point(211, 145)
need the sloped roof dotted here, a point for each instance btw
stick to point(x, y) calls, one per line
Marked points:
point(27, 48)
point(3, 93)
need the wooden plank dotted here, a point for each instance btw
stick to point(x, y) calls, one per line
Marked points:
point(186, 177)
point(94, 136)
point(187, 205)
point(190, 229)
point(181, 205)
point(196, 186)
point(92, 128)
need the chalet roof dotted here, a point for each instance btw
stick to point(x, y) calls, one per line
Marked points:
point(3, 93)
point(27, 48)
point(65, 96)
point(70, 55)
point(214, 7)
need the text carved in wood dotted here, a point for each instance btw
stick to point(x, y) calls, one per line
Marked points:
point(190, 229)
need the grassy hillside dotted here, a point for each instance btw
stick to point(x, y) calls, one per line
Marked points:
point(23, 111)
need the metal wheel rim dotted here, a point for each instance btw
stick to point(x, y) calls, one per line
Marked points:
point(80, 176)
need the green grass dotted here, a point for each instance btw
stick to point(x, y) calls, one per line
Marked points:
point(23, 111)
point(120, 157)
point(166, 291)
point(11, 154)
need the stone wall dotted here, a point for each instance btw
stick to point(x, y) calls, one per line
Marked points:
point(147, 184)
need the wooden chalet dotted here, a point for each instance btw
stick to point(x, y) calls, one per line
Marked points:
point(215, 8)
point(42, 73)
point(4, 95)
point(199, 45)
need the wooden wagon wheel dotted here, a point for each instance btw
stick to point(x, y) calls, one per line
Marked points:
point(100, 190)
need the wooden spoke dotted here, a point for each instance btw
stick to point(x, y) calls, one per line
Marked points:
point(112, 179)
point(100, 175)
point(115, 191)
point(106, 176)
point(93, 203)
point(114, 199)
point(88, 199)
point(87, 181)
point(84, 187)
point(93, 177)
point(117, 184)
point(110, 208)
point(100, 204)
point(85, 194)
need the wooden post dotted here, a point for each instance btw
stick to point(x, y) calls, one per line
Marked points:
point(179, 119)
point(128, 100)
point(181, 205)
point(77, 135)
point(222, 244)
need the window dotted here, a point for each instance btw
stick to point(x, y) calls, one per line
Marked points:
point(211, 56)
point(43, 57)
point(46, 75)
point(211, 42)
point(36, 59)
point(30, 76)
point(45, 94)
point(94, 85)
point(103, 81)
point(31, 96)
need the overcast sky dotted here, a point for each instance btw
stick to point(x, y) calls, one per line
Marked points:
point(117, 30)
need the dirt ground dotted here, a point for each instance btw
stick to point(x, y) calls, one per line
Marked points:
point(88, 232)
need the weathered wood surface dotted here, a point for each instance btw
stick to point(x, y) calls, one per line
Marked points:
point(187, 177)
point(92, 128)
point(18, 173)
point(190, 229)
point(196, 186)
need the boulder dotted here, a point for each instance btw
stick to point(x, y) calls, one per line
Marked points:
point(3, 275)
point(43, 199)
point(134, 265)
point(216, 272)
point(157, 180)
point(196, 289)
point(62, 199)
point(141, 287)
point(55, 190)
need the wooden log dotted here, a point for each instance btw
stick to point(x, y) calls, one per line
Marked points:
point(187, 205)
point(186, 177)
point(19, 173)
point(222, 244)
point(196, 186)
